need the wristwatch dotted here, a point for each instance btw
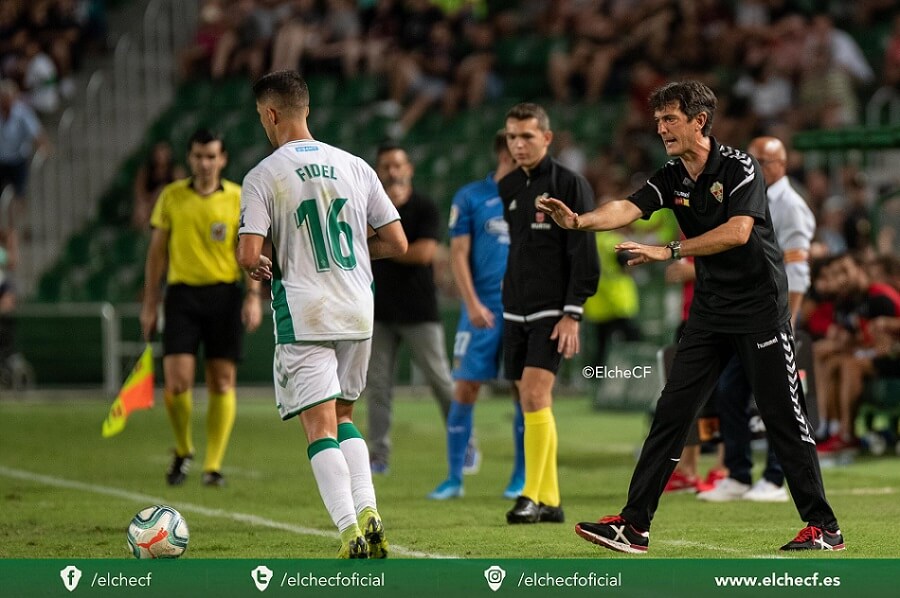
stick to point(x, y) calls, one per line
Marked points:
point(675, 247)
point(574, 315)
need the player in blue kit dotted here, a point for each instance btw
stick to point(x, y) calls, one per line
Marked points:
point(479, 247)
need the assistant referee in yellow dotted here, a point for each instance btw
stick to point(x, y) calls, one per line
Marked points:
point(195, 223)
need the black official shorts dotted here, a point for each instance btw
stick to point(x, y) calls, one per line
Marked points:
point(208, 314)
point(528, 344)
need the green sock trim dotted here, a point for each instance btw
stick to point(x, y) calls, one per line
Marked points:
point(322, 444)
point(348, 430)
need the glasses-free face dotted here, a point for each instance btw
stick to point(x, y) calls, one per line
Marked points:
point(527, 143)
point(207, 160)
point(678, 132)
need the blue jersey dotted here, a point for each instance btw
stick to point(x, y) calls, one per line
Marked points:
point(477, 211)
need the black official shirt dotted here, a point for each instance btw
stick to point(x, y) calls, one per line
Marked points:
point(743, 289)
point(405, 293)
point(550, 271)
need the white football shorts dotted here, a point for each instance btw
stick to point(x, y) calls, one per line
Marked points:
point(310, 373)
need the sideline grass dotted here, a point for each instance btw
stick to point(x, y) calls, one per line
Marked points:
point(270, 479)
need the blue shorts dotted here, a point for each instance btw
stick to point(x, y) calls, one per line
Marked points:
point(476, 351)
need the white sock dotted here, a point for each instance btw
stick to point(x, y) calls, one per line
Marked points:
point(834, 426)
point(333, 478)
point(356, 453)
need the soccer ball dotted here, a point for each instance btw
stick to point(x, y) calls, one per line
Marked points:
point(158, 532)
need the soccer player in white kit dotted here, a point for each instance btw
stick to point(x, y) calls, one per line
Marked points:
point(328, 215)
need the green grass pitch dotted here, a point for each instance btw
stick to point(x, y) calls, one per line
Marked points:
point(67, 492)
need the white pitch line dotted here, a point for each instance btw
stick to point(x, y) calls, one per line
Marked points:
point(192, 508)
point(689, 544)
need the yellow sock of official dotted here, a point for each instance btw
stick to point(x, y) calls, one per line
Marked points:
point(549, 492)
point(537, 443)
point(179, 407)
point(219, 422)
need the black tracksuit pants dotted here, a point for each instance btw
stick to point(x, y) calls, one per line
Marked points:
point(768, 360)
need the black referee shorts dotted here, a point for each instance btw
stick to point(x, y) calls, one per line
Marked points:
point(528, 344)
point(208, 314)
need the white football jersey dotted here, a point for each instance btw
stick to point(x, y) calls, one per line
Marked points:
point(317, 200)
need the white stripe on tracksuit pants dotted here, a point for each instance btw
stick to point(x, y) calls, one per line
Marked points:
point(768, 361)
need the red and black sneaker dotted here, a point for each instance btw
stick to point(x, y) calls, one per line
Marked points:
point(615, 533)
point(816, 538)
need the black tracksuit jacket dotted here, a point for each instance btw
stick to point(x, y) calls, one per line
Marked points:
point(550, 270)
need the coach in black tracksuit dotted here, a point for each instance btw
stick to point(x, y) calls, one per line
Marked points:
point(549, 274)
point(740, 307)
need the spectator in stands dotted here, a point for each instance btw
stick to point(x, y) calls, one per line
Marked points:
point(157, 171)
point(858, 226)
point(885, 269)
point(41, 85)
point(768, 92)
point(840, 47)
point(381, 23)
point(339, 47)
point(197, 58)
point(830, 231)
point(426, 76)
point(21, 134)
point(842, 370)
point(296, 32)
point(588, 62)
point(890, 77)
point(826, 95)
point(475, 79)
point(245, 43)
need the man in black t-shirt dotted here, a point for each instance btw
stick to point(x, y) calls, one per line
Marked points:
point(740, 307)
point(406, 308)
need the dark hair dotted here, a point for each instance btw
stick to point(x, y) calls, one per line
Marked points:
point(500, 144)
point(389, 146)
point(204, 136)
point(527, 110)
point(286, 89)
point(692, 97)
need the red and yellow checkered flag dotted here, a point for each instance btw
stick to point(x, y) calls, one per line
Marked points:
point(136, 393)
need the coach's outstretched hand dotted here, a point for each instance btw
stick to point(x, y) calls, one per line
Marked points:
point(559, 211)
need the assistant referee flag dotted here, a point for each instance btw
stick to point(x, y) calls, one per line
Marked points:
point(136, 393)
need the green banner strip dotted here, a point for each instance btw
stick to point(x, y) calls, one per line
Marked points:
point(636, 577)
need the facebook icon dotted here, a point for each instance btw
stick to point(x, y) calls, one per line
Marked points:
point(71, 575)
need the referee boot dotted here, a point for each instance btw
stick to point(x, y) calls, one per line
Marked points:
point(524, 511)
point(548, 514)
point(178, 469)
point(213, 479)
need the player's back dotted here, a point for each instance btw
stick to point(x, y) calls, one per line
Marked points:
point(317, 200)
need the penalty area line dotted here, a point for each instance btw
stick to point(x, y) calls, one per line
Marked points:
point(247, 518)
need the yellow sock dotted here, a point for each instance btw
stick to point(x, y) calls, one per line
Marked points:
point(549, 492)
point(179, 407)
point(537, 443)
point(219, 422)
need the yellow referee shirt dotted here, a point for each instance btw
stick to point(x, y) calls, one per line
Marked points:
point(202, 232)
